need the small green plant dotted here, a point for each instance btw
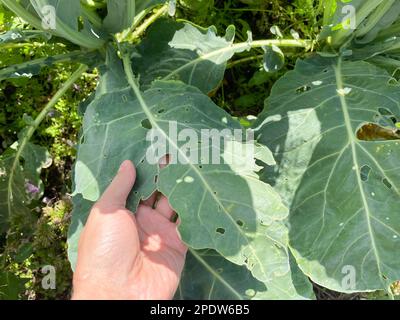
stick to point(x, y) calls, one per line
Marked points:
point(321, 206)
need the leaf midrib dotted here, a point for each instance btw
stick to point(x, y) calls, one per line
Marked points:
point(215, 274)
point(350, 134)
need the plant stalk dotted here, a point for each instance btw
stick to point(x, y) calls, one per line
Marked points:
point(32, 128)
point(139, 31)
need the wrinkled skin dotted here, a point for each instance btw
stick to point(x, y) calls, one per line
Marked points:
point(126, 256)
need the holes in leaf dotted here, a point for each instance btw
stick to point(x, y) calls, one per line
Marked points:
point(384, 112)
point(394, 80)
point(215, 192)
point(156, 178)
point(325, 70)
point(187, 109)
point(303, 89)
point(174, 218)
point(385, 118)
point(146, 124)
point(373, 132)
point(240, 223)
point(220, 230)
point(161, 110)
point(364, 172)
point(387, 183)
point(200, 167)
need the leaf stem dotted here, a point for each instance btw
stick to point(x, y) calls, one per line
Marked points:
point(70, 56)
point(243, 60)
point(32, 128)
point(138, 31)
point(21, 45)
point(242, 46)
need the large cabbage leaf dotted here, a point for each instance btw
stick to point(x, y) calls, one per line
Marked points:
point(221, 206)
point(342, 185)
point(218, 279)
point(181, 51)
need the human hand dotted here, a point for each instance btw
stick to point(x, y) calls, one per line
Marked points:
point(126, 256)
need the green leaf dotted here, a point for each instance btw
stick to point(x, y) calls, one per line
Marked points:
point(383, 17)
point(218, 279)
point(11, 286)
point(121, 14)
point(20, 184)
point(338, 24)
point(181, 51)
point(16, 35)
point(343, 192)
point(274, 59)
point(61, 18)
point(142, 5)
point(80, 213)
point(221, 206)
point(31, 68)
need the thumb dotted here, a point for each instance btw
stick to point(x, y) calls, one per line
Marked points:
point(117, 192)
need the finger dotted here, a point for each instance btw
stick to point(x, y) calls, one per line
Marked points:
point(117, 192)
point(151, 200)
point(164, 161)
point(163, 207)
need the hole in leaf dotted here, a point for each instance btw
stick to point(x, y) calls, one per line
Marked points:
point(303, 89)
point(240, 223)
point(164, 161)
point(161, 110)
point(146, 124)
point(220, 230)
point(385, 112)
point(200, 167)
point(174, 218)
point(215, 192)
point(387, 183)
point(373, 132)
point(364, 172)
point(156, 178)
point(325, 70)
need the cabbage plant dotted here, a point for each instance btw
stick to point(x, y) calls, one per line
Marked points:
point(316, 201)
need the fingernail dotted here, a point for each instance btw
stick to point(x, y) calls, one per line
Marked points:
point(124, 165)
